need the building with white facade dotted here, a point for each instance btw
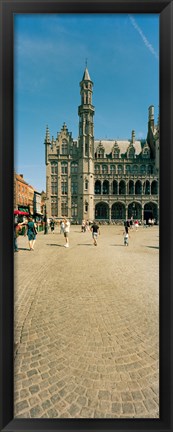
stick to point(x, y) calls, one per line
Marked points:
point(106, 180)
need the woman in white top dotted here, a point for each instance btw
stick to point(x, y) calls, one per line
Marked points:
point(66, 231)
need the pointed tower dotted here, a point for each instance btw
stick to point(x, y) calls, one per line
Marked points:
point(47, 143)
point(86, 149)
point(86, 113)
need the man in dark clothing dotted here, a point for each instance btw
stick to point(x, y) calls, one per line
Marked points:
point(52, 225)
point(95, 231)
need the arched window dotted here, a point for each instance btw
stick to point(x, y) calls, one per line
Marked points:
point(116, 153)
point(64, 168)
point(128, 169)
point(118, 211)
point(146, 187)
point(100, 152)
point(97, 189)
point(74, 188)
point(112, 169)
point(143, 169)
point(138, 188)
point(131, 152)
point(115, 188)
point(64, 147)
point(74, 168)
point(74, 209)
point(86, 184)
point(122, 188)
point(134, 169)
point(54, 168)
point(149, 169)
point(105, 187)
point(154, 188)
point(120, 169)
point(97, 169)
point(104, 169)
point(131, 187)
point(64, 208)
point(64, 187)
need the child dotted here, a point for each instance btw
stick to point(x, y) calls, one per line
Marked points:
point(126, 236)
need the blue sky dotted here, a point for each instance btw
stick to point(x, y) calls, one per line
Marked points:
point(50, 51)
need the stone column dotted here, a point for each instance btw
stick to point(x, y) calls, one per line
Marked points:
point(110, 212)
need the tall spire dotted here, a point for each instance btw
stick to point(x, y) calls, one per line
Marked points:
point(86, 76)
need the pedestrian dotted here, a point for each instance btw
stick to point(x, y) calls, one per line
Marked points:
point(31, 232)
point(95, 229)
point(16, 234)
point(62, 225)
point(131, 222)
point(87, 225)
point(83, 227)
point(126, 236)
point(66, 231)
point(52, 225)
point(136, 224)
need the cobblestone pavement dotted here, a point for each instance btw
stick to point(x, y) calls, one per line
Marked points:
point(86, 333)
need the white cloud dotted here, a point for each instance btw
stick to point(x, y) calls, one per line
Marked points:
point(144, 38)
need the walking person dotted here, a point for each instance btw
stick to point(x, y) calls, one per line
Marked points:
point(95, 231)
point(62, 225)
point(16, 234)
point(126, 236)
point(87, 225)
point(52, 225)
point(31, 232)
point(66, 231)
point(136, 224)
point(83, 227)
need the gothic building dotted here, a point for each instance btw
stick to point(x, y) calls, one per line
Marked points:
point(108, 180)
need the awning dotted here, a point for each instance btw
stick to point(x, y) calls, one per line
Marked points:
point(20, 213)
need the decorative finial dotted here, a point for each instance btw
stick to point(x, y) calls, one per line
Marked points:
point(86, 62)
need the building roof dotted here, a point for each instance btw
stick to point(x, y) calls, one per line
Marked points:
point(123, 145)
point(21, 179)
point(86, 75)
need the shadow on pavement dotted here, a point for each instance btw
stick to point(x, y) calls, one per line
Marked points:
point(153, 247)
point(52, 244)
point(117, 245)
point(84, 244)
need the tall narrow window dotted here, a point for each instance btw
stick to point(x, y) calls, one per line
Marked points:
point(64, 187)
point(64, 148)
point(64, 168)
point(74, 168)
point(54, 168)
point(64, 208)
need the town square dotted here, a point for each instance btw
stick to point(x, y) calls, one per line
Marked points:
point(86, 334)
point(86, 216)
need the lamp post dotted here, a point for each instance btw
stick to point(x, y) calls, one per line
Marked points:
point(45, 220)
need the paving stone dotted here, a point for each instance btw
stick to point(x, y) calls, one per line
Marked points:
point(86, 344)
point(116, 407)
point(36, 411)
point(46, 404)
point(127, 408)
point(21, 406)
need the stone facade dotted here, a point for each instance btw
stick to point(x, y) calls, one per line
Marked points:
point(101, 179)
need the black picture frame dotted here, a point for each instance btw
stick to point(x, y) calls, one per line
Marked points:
point(7, 9)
